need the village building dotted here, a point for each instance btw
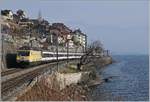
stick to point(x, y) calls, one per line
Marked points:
point(16, 18)
point(70, 40)
point(40, 32)
point(41, 28)
point(4, 27)
point(80, 38)
point(25, 22)
point(61, 31)
point(6, 14)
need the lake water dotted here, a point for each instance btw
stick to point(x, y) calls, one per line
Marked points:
point(130, 80)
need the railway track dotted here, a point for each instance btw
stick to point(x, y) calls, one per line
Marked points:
point(11, 71)
point(9, 85)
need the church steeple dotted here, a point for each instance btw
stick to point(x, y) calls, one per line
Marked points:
point(39, 15)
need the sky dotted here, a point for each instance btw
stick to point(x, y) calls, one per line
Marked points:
point(121, 26)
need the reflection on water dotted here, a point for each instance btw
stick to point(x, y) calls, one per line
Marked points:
point(130, 81)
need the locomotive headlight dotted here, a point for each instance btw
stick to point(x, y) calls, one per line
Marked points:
point(18, 57)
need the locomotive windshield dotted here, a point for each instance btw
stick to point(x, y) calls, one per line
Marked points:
point(23, 53)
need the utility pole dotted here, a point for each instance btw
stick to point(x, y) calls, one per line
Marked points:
point(67, 50)
point(68, 39)
point(30, 34)
point(85, 43)
point(57, 50)
point(2, 52)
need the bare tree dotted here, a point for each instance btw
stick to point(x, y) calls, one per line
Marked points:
point(93, 52)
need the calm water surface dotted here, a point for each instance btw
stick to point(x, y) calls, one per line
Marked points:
point(130, 80)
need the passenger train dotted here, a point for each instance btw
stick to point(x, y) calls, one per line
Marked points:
point(32, 57)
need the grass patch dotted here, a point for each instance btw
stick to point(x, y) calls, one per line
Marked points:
point(70, 68)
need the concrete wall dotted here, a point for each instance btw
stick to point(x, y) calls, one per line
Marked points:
point(8, 55)
point(60, 81)
point(71, 78)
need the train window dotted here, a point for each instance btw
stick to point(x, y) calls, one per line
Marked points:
point(47, 55)
point(23, 53)
point(50, 55)
point(61, 55)
point(55, 55)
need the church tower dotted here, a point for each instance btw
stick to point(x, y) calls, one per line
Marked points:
point(39, 16)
